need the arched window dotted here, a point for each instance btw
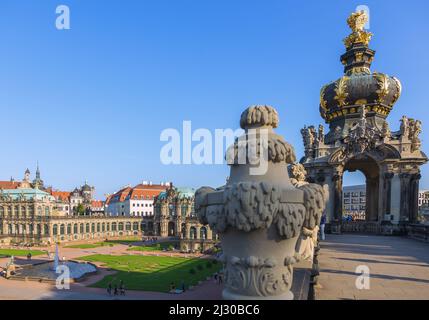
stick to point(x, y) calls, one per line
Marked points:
point(47, 211)
point(69, 229)
point(62, 229)
point(16, 209)
point(203, 233)
point(121, 226)
point(114, 226)
point(55, 229)
point(39, 229)
point(81, 228)
point(46, 230)
point(98, 227)
point(87, 228)
point(193, 233)
point(10, 229)
point(75, 228)
point(107, 226)
point(135, 226)
point(24, 211)
point(39, 211)
point(2, 212)
point(92, 227)
point(103, 227)
point(128, 226)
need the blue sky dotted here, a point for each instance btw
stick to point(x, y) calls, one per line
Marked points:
point(90, 103)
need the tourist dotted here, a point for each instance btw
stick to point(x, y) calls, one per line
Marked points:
point(183, 286)
point(109, 289)
point(115, 291)
point(121, 288)
point(172, 287)
point(29, 256)
point(322, 227)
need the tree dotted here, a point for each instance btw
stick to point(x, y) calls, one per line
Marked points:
point(80, 209)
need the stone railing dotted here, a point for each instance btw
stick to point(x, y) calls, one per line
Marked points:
point(418, 232)
point(360, 227)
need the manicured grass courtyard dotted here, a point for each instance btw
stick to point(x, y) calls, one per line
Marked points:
point(19, 252)
point(153, 247)
point(103, 243)
point(151, 273)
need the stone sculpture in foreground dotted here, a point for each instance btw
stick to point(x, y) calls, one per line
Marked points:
point(260, 217)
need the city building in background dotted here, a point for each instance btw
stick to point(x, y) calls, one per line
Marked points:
point(174, 217)
point(354, 200)
point(31, 216)
point(135, 201)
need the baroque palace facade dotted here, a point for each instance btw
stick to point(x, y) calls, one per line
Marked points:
point(29, 215)
point(174, 217)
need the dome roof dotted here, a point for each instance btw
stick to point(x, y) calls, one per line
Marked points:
point(359, 86)
point(178, 193)
point(86, 187)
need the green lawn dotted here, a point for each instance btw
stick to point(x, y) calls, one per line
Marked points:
point(150, 273)
point(88, 245)
point(18, 252)
point(102, 244)
point(153, 247)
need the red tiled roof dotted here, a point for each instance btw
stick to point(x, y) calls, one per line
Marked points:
point(61, 195)
point(97, 203)
point(140, 192)
point(9, 184)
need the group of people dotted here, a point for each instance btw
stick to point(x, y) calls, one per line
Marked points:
point(218, 278)
point(116, 290)
point(174, 289)
point(150, 240)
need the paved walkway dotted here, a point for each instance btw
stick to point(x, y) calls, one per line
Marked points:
point(399, 267)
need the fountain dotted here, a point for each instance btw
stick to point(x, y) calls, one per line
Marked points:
point(47, 271)
point(56, 259)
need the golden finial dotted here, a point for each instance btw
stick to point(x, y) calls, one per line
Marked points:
point(357, 22)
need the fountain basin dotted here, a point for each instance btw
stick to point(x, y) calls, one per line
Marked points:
point(45, 271)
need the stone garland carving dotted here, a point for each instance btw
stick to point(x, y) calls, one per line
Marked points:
point(249, 206)
point(257, 274)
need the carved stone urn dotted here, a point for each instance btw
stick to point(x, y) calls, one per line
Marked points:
point(259, 214)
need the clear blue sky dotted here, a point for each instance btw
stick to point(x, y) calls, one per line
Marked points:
point(90, 103)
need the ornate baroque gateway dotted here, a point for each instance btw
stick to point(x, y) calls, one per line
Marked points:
point(356, 107)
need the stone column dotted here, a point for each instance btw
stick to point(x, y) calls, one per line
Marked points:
point(387, 193)
point(405, 197)
point(337, 186)
point(414, 197)
point(372, 192)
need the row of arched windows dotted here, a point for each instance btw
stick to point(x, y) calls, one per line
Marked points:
point(27, 229)
point(23, 211)
point(77, 228)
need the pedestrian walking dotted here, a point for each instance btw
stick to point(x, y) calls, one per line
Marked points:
point(322, 227)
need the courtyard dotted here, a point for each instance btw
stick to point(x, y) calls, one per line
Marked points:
point(145, 274)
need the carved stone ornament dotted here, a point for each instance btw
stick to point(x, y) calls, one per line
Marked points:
point(260, 217)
